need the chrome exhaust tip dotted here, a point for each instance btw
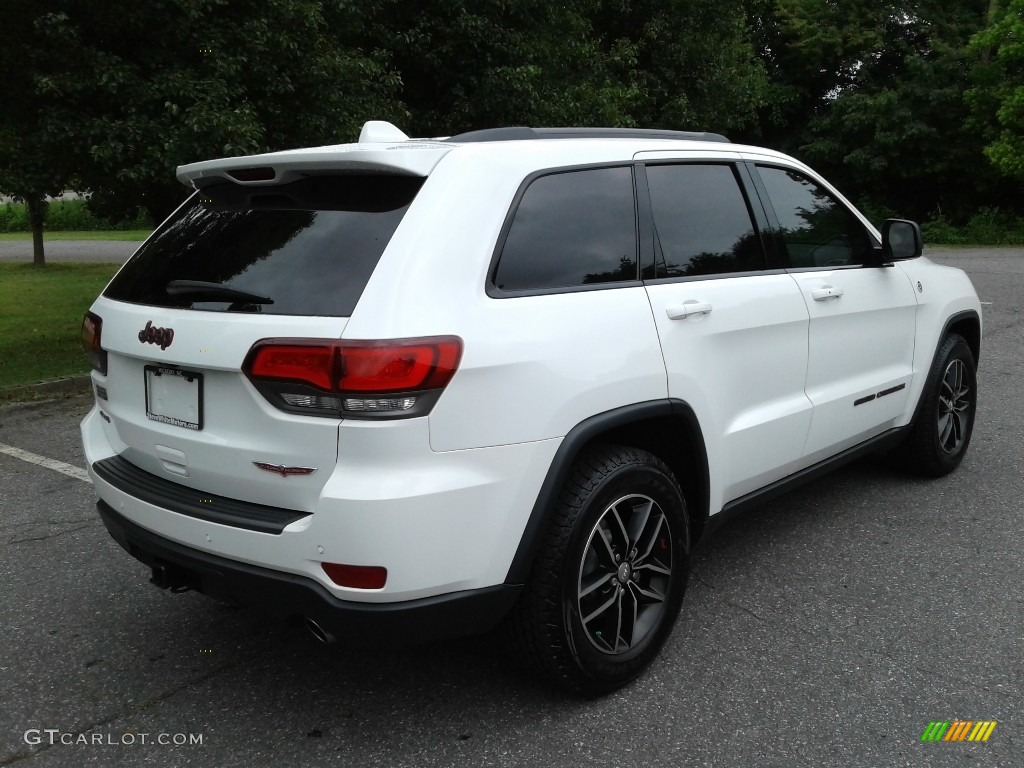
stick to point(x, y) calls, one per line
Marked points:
point(321, 634)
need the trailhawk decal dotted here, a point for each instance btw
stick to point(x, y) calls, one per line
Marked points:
point(284, 471)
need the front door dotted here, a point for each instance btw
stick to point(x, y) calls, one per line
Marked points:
point(862, 318)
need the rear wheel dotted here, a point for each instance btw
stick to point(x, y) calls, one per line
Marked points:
point(945, 420)
point(609, 578)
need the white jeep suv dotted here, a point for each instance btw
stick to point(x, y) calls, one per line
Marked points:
point(408, 389)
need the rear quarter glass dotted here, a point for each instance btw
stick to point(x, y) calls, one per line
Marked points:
point(310, 246)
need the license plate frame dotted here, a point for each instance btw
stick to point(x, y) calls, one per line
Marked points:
point(174, 396)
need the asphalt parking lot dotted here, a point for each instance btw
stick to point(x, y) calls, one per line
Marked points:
point(828, 628)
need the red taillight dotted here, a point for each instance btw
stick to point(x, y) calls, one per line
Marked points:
point(92, 327)
point(394, 377)
point(398, 367)
point(356, 576)
point(313, 365)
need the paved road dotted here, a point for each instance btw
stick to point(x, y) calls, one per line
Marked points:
point(104, 251)
point(825, 629)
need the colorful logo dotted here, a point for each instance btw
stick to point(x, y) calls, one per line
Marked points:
point(959, 730)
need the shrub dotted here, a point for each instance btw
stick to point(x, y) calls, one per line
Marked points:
point(938, 230)
point(65, 215)
point(990, 226)
point(13, 218)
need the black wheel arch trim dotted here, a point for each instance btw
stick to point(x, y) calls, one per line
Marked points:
point(582, 435)
point(954, 319)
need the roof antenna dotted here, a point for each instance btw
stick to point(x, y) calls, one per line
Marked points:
point(380, 132)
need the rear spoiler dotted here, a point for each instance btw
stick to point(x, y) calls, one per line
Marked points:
point(382, 148)
point(283, 167)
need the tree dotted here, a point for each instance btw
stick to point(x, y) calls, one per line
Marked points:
point(873, 95)
point(998, 98)
point(145, 86)
point(694, 67)
point(36, 159)
point(673, 63)
point(900, 134)
point(487, 63)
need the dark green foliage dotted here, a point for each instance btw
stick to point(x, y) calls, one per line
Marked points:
point(892, 101)
point(998, 99)
point(672, 64)
point(187, 80)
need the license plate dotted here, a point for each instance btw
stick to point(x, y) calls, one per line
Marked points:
point(174, 396)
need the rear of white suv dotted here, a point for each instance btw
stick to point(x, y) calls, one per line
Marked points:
point(239, 422)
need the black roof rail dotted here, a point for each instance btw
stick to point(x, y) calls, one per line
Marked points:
point(521, 133)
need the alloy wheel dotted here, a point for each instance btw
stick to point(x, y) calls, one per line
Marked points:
point(954, 406)
point(625, 574)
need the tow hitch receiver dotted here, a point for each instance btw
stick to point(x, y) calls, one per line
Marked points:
point(171, 577)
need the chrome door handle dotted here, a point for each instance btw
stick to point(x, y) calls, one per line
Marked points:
point(687, 309)
point(826, 292)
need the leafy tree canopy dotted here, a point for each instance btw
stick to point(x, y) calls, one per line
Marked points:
point(1001, 85)
point(141, 87)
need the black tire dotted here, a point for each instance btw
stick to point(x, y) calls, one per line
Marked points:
point(617, 501)
point(945, 419)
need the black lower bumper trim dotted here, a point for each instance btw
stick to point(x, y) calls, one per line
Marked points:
point(289, 595)
point(136, 482)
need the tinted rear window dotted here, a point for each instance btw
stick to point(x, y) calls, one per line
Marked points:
point(310, 245)
point(572, 229)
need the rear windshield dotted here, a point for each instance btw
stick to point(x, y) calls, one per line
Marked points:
point(309, 246)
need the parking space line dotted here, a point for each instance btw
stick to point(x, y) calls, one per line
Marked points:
point(57, 466)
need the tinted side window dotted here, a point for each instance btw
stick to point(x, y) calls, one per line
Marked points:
point(571, 229)
point(817, 230)
point(310, 246)
point(702, 222)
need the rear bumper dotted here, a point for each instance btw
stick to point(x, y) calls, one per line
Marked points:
point(440, 523)
point(290, 595)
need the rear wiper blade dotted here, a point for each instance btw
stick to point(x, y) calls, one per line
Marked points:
point(197, 289)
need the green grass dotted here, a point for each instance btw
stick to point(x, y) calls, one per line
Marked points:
point(104, 234)
point(41, 319)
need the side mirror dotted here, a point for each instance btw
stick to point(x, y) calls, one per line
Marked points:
point(901, 240)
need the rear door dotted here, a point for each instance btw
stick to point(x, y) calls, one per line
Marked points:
point(732, 329)
point(232, 266)
point(861, 342)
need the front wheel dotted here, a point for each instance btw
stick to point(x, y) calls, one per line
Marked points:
point(945, 420)
point(609, 578)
